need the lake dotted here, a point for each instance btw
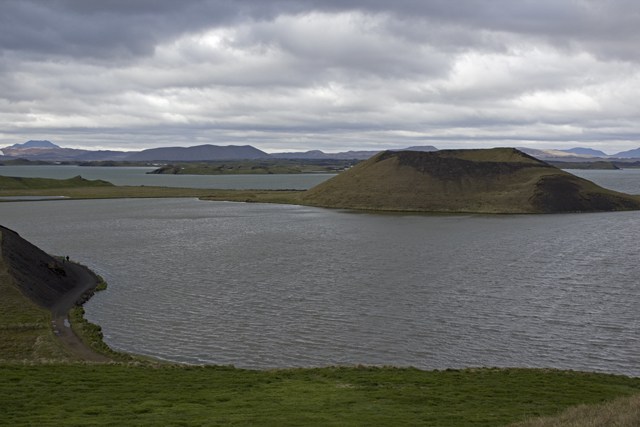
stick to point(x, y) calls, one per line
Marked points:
point(138, 176)
point(261, 286)
point(627, 180)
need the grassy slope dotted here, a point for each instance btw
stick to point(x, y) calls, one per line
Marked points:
point(194, 396)
point(622, 412)
point(387, 186)
point(460, 185)
point(25, 329)
point(107, 192)
point(11, 183)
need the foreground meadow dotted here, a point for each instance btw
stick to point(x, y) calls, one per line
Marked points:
point(173, 395)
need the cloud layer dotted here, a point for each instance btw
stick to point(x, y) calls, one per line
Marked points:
point(297, 75)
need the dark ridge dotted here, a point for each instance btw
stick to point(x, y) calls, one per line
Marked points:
point(39, 276)
point(560, 193)
point(453, 169)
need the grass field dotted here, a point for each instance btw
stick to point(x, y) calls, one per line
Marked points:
point(69, 395)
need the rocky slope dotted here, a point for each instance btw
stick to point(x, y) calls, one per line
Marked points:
point(43, 279)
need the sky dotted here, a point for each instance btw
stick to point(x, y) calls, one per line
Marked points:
point(321, 74)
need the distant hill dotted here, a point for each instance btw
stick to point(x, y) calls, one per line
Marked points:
point(629, 154)
point(419, 148)
point(63, 154)
point(345, 155)
point(586, 152)
point(199, 153)
point(18, 183)
point(499, 180)
point(35, 144)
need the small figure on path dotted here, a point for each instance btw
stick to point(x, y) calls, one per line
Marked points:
point(67, 257)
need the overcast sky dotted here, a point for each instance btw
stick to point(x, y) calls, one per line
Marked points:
point(333, 75)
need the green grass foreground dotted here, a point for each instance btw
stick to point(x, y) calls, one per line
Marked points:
point(148, 395)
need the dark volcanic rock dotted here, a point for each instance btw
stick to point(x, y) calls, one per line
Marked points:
point(39, 276)
point(560, 193)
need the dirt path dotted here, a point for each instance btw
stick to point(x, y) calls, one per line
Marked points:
point(60, 318)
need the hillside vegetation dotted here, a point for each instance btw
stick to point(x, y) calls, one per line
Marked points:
point(14, 183)
point(499, 180)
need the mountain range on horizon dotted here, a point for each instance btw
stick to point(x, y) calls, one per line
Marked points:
point(46, 150)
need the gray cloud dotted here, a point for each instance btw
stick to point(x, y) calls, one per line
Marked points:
point(288, 75)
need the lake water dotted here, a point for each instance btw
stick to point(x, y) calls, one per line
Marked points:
point(138, 176)
point(263, 286)
point(627, 180)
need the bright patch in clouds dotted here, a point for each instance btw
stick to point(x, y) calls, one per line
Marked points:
point(317, 75)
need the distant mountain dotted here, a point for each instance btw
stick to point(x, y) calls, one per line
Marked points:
point(419, 148)
point(56, 154)
point(586, 152)
point(199, 153)
point(629, 154)
point(35, 144)
point(560, 156)
point(345, 155)
point(313, 154)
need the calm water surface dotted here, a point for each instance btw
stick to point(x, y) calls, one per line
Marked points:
point(627, 180)
point(264, 286)
point(138, 176)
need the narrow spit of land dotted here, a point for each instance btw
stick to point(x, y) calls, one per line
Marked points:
point(48, 283)
point(60, 314)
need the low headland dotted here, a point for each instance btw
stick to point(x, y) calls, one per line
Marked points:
point(47, 378)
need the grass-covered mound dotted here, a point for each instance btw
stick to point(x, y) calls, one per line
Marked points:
point(15, 183)
point(124, 394)
point(499, 180)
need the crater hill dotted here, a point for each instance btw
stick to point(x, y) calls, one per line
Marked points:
point(498, 180)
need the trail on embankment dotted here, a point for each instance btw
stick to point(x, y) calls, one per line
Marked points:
point(50, 283)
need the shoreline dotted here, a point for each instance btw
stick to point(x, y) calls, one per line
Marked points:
point(60, 321)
